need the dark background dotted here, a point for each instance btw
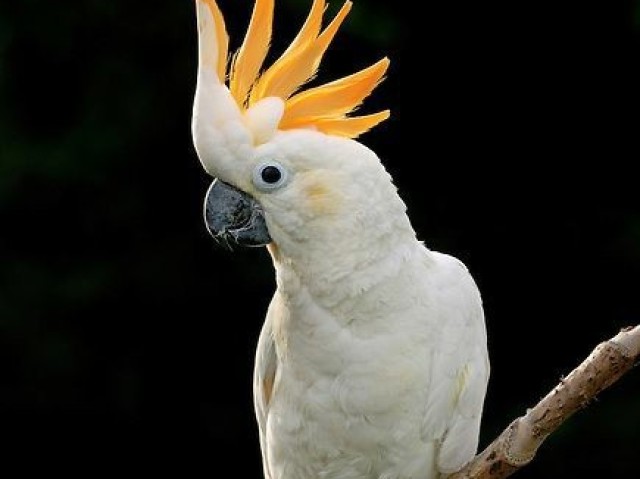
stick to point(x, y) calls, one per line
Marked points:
point(127, 335)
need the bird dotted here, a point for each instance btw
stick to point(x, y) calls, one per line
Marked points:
point(372, 360)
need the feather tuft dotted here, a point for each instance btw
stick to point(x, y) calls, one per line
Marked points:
point(335, 99)
point(248, 61)
point(326, 107)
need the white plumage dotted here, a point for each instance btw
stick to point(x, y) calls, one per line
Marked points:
point(372, 362)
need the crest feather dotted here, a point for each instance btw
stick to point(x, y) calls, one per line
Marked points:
point(298, 65)
point(350, 127)
point(222, 39)
point(325, 108)
point(310, 29)
point(248, 61)
point(333, 99)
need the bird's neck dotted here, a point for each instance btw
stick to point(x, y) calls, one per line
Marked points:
point(338, 270)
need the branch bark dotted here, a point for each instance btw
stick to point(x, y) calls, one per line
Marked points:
point(516, 446)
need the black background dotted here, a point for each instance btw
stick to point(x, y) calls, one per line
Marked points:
point(127, 336)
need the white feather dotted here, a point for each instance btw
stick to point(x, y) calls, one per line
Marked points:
point(376, 344)
point(263, 118)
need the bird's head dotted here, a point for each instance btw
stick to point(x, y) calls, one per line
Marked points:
point(287, 168)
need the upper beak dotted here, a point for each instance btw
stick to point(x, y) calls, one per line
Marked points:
point(232, 214)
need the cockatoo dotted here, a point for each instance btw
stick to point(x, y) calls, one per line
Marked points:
point(372, 361)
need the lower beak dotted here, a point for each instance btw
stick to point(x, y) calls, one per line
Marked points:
point(231, 214)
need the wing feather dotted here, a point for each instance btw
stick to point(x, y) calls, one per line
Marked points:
point(459, 371)
point(263, 385)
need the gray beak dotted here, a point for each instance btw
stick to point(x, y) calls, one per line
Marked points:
point(231, 214)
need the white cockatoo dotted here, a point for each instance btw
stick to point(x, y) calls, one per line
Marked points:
point(372, 362)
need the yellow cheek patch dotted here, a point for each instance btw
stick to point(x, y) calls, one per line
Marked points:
point(321, 198)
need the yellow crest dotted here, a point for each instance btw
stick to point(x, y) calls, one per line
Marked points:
point(326, 107)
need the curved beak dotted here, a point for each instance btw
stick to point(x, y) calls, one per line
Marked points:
point(231, 214)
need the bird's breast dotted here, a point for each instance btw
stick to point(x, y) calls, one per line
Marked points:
point(345, 385)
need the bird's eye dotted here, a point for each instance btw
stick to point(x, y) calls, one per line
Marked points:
point(269, 175)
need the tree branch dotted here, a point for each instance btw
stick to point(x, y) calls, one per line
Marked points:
point(516, 446)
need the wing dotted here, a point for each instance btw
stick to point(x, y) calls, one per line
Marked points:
point(460, 369)
point(460, 441)
point(263, 381)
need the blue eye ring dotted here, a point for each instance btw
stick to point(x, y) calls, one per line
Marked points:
point(269, 176)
